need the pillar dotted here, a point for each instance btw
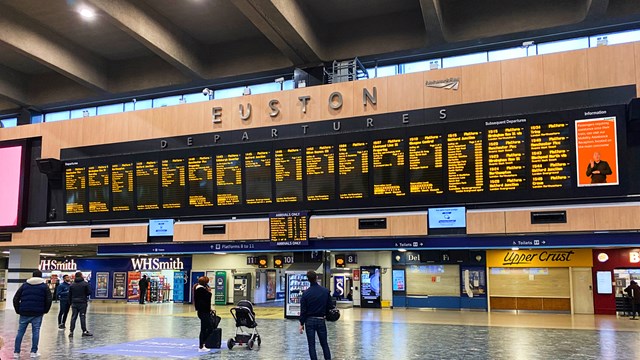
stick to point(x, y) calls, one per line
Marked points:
point(22, 263)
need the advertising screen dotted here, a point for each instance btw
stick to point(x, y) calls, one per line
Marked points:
point(161, 227)
point(370, 286)
point(398, 280)
point(10, 185)
point(453, 217)
point(604, 282)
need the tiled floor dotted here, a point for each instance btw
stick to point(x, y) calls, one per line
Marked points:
point(360, 334)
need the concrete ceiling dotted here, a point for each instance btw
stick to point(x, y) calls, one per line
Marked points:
point(50, 57)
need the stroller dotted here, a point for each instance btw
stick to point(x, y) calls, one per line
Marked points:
point(244, 316)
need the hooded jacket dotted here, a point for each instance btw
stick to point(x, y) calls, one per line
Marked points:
point(33, 298)
point(79, 292)
point(63, 291)
point(202, 298)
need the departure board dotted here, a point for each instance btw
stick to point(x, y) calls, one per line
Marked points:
point(229, 179)
point(507, 158)
point(200, 176)
point(147, 196)
point(464, 162)
point(174, 183)
point(426, 174)
point(388, 167)
point(550, 156)
point(353, 170)
point(257, 167)
point(122, 187)
point(98, 181)
point(289, 228)
point(288, 175)
point(75, 184)
point(321, 180)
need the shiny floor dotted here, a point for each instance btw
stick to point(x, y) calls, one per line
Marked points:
point(359, 334)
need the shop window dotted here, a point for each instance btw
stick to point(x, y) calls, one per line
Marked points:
point(110, 109)
point(57, 116)
point(469, 59)
point(10, 122)
point(563, 45)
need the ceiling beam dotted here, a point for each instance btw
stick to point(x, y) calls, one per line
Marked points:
point(156, 33)
point(13, 86)
point(432, 21)
point(36, 42)
point(284, 23)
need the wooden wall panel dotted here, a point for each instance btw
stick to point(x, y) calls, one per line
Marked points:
point(10, 133)
point(234, 111)
point(348, 100)
point(261, 110)
point(407, 225)
point(117, 128)
point(565, 71)
point(617, 218)
point(187, 232)
point(435, 97)
point(191, 119)
point(51, 135)
point(577, 220)
point(382, 90)
point(552, 304)
point(482, 82)
point(520, 222)
point(503, 303)
point(529, 304)
point(332, 227)
point(522, 77)
point(93, 130)
point(315, 105)
point(242, 230)
point(637, 61)
point(263, 230)
point(490, 222)
point(404, 92)
point(226, 116)
point(611, 66)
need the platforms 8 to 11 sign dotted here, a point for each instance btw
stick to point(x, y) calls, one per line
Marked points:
point(289, 228)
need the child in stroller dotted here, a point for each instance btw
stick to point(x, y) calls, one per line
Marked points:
point(244, 316)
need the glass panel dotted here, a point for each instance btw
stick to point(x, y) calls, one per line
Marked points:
point(615, 38)
point(288, 85)
point(56, 116)
point(382, 71)
point(141, 105)
point(10, 122)
point(166, 101)
point(264, 88)
point(36, 119)
point(228, 93)
point(78, 113)
point(421, 66)
point(506, 54)
point(469, 59)
point(110, 109)
point(195, 97)
point(563, 45)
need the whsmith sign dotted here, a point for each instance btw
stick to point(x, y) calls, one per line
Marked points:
point(58, 265)
point(540, 258)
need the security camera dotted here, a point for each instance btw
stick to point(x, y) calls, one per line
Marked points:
point(280, 80)
point(207, 91)
point(528, 43)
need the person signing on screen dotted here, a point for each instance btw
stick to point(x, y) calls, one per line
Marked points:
point(598, 169)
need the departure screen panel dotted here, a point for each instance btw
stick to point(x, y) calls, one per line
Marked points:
point(229, 179)
point(550, 156)
point(75, 184)
point(353, 170)
point(122, 187)
point(288, 175)
point(321, 181)
point(98, 179)
point(388, 167)
point(200, 175)
point(426, 164)
point(174, 183)
point(147, 196)
point(465, 162)
point(507, 163)
point(257, 167)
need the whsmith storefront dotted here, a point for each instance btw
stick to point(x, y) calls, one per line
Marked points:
point(541, 280)
point(117, 278)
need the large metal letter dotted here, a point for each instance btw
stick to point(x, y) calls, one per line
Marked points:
point(335, 105)
point(304, 100)
point(366, 95)
point(272, 105)
point(216, 113)
point(244, 116)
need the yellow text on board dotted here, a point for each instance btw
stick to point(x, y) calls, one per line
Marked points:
point(540, 258)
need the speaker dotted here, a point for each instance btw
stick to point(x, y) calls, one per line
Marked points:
point(50, 167)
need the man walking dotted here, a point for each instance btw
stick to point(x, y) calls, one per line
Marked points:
point(143, 284)
point(78, 297)
point(31, 302)
point(314, 305)
point(65, 305)
point(634, 293)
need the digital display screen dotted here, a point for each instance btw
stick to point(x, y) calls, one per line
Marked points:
point(353, 170)
point(426, 164)
point(174, 183)
point(388, 167)
point(75, 184)
point(507, 159)
point(604, 282)
point(370, 286)
point(98, 179)
point(122, 187)
point(160, 227)
point(258, 167)
point(465, 162)
point(289, 228)
point(550, 160)
point(288, 170)
point(398, 280)
point(200, 175)
point(147, 196)
point(453, 217)
point(11, 160)
point(229, 179)
point(321, 181)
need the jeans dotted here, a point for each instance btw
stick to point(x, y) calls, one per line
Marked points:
point(206, 327)
point(64, 311)
point(79, 308)
point(36, 322)
point(312, 326)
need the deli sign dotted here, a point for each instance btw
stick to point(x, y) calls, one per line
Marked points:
point(540, 258)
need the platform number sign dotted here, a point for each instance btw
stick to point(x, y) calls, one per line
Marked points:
point(252, 260)
point(351, 259)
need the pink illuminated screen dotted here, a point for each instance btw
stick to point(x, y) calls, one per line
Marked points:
point(10, 170)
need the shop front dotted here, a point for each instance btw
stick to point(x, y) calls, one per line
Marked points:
point(447, 279)
point(551, 280)
point(613, 270)
point(117, 278)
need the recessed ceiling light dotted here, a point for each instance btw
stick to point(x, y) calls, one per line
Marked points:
point(87, 13)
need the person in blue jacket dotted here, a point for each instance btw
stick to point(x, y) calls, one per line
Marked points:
point(32, 300)
point(65, 305)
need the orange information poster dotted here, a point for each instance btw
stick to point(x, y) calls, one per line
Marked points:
point(597, 152)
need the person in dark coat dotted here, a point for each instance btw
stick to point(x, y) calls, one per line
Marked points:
point(143, 284)
point(78, 297)
point(65, 305)
point(202, 303)
point(32, 300)
point(634, 293)
point(315, 303)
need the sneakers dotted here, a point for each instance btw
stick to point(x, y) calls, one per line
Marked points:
point(203, 350)
point(70, 334)
point(61, 327)
point(34, 355)
point(16, 356)
point(86, 333)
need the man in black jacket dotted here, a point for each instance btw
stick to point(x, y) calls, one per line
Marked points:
point(143, 284)
point(31, 302)
point(79, 293)
point(314, 305)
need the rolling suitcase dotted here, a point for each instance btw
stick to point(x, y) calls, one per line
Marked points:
point(214, 340)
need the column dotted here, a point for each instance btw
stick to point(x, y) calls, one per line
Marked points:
point(22, 263)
